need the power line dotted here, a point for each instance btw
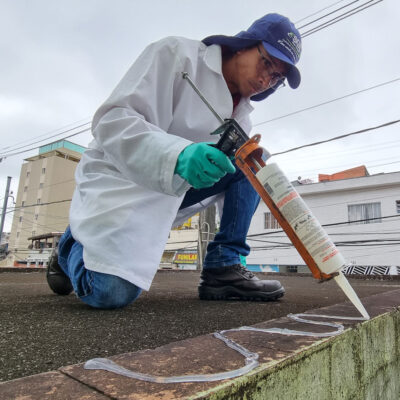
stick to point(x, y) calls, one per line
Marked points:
point(368, 255)
point(347, 165)
point(42, 140)
point(354, 150)
point(317, 12)
point(327, 102)
point(338, 137)
point(2, 156)
point(38, 205)
point(376, 233)
point(337, 243)
point(325, 225)
point(37, 224)
point(47, 186)
point(47, 133)
point(326, 15)
point(337, 19)
point(346, 202)
point(290, 246)
point(381, 165)
point(24, 212)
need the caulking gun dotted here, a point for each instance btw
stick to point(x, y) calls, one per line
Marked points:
point(296, 219)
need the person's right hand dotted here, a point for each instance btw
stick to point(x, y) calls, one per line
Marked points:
point(202, 165)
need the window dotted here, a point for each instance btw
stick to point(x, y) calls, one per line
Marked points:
point(39, 201)
point(23, 203)
point(17, 234)
point(398, 206)
point(43, 170)
point(36, 216)
point(368, 213)
point(27, 174)
point(40, 185)
point(20, 219)
point(25, 188)
point(270, 222)
point(33, 233)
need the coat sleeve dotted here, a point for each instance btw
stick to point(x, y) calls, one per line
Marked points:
point(131, 126)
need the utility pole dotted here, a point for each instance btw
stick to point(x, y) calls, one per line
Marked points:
point(3, 213)
point(207, 228)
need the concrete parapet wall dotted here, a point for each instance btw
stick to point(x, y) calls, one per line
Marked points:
point(360, 364)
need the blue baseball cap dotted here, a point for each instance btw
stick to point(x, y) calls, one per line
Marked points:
point(280, 39)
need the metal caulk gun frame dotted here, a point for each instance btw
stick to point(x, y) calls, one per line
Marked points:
point(250, 158)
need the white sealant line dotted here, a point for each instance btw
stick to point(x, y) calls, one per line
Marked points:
point(251, 359)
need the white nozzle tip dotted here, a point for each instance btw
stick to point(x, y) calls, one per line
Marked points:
point(344, 284)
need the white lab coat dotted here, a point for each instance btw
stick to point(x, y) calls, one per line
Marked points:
point(127, 196)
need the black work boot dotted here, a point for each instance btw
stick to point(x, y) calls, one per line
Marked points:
point(59, 282)
point(238, 282)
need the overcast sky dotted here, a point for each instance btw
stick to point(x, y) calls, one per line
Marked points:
point(60, 60)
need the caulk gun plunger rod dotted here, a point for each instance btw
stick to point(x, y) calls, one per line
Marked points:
point(185, 75)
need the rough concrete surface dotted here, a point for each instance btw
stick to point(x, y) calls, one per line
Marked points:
point(48, 386)
point(42, 332)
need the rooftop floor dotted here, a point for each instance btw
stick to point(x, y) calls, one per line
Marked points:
point(42, 332)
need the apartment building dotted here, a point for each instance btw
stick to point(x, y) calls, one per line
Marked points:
point(45, 190)
point(361, 214)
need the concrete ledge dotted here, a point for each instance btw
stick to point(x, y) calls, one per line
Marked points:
point(22, 269)
point(47, 386)
point(361, 363)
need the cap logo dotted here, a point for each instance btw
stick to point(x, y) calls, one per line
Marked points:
point(292, 44)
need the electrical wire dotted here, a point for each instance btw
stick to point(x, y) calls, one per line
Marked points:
point(347, 202)
point(338, 137)
point(301, 172)
point(341, 166)
point(38, 205)
point(326, 15)
point(354, 150)
point(24, 212)
point(317, 12)
point(47, 186)
point(6, 155)
point(37, 224)
point(337, 19)
point(328, 102)
point(331, 224)
point(42, 140)
point(50, 132)
point(337, 243)
point(371, 254)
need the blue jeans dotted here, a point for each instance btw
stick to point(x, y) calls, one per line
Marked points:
point(96, 289)
point(241, 201)
point(106, 291)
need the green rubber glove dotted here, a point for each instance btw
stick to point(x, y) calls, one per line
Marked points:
point(202, 165)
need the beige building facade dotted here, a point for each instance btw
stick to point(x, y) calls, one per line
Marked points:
point(45, 190)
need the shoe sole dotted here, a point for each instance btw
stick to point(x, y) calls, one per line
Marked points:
point(231, 293)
